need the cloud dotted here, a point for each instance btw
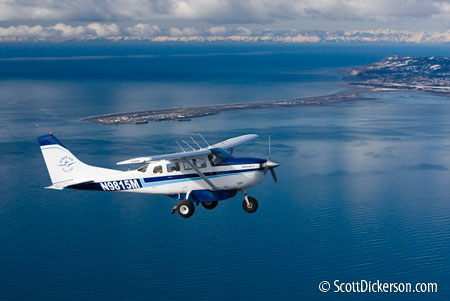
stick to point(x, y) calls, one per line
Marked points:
point(218, 11)
point(104, 30)
point(292, 21)
point(217, 30)
point(69, 31)
point(151, 32)
point(142, 29)
point(175, 32)
point(244, 31)
point(60, 31)
point(187, 31)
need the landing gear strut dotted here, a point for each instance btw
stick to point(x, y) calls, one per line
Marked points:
point(249, 204)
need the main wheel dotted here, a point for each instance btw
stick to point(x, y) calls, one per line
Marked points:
point(209, 205)
point(185, 208)
point(252, 206)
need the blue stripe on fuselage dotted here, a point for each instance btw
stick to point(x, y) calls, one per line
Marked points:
point(156, 181)
point(240, 161)
point(153, 181)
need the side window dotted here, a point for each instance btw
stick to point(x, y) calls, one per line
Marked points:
point(143, 168)
point(199, 162)
point(157, 169)
point(174, 166)
point(186, 166)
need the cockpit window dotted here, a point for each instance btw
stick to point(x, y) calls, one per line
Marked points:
point(157, 169)
point(174, 166)
point(214, 159)
point(143, 168)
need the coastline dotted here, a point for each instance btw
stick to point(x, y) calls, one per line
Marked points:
point(394, 73)
point(187, 113)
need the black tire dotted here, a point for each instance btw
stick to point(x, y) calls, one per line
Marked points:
point(185, 208)
point(210, 205)
point(253, 205)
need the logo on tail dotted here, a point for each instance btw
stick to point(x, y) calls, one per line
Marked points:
point(66, 163)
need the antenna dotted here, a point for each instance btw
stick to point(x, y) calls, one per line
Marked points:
point(269, 149)
point(199, 147)
point(188, 145)
point(204, 139)
point(180, 146)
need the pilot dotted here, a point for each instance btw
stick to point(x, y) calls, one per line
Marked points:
point(157, 169)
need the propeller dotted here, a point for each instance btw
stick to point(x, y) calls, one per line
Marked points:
point(271, 165)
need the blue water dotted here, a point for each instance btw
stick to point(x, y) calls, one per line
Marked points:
point(363, 189)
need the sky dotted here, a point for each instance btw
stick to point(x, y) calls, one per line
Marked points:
point(419, 21)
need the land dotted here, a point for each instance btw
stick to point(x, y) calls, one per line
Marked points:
point(429, 74)
point(186, 114)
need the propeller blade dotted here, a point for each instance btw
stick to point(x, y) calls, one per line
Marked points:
point(274, 176)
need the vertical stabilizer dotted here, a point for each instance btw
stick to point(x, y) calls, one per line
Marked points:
point(63, 166)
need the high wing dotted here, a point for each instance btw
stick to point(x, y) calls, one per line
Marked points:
point(232, 142)
point(181, 155)
point(216, 148)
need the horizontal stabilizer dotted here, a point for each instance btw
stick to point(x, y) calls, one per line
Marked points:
point(62, 185)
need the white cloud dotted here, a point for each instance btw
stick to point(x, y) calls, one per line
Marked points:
point(244, 31)
point(187, 31)
point(199, 9)
point(104, 30)
point(217, 30)
point(113, 32)
point(218, 11)
point(175, 32)
point(260, 19)
point(23, 31)
point(69, 31)
point(142, 29)
point(60, 31)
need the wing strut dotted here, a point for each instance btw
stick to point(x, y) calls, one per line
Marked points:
point(201, 175)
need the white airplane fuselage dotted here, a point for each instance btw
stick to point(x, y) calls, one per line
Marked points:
point(156, 178)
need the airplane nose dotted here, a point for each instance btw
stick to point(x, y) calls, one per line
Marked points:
point(271, 164)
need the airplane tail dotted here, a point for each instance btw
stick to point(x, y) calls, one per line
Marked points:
point(64, 168)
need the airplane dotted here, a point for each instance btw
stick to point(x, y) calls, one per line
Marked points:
point(205, 175)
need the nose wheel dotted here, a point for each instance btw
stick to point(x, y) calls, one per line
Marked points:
point(249, 204)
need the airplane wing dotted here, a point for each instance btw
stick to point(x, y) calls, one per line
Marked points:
point(232, 142)
point(216, 148)
point(179, 155)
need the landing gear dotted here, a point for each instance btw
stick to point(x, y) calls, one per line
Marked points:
point(185, 208)
point(250, 204)
point(209, 205)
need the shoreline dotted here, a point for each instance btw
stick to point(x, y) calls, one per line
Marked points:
point(394, 73)
point(188, 113)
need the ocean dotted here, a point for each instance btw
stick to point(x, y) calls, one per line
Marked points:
point(363, 188)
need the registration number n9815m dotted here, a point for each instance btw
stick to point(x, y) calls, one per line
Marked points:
point(120, 185)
